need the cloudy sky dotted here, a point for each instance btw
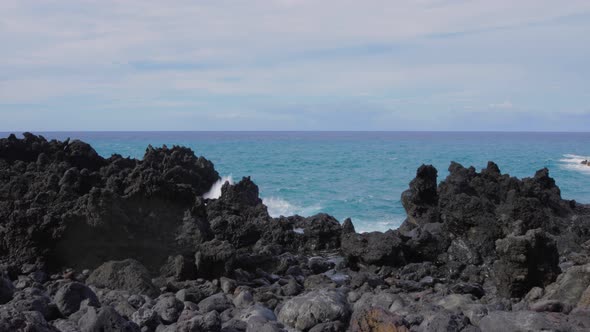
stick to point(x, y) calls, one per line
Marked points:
point(295, 65)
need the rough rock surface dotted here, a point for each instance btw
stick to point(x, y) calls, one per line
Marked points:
point(128, 275)
point(306, 311)
point(89, 243)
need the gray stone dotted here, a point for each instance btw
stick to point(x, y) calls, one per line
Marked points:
point(65, 325)
point(105, 319)
point(208, 322)
point(146, 317)
point(69, 297)
point(503, 321)
point(227, 285)
point(218, 302)
point(127, 275)
point(569, 286)
point(244, 299)
point(305, 311)
point(168, 308)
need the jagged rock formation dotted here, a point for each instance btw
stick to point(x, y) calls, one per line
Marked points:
point(90, 243)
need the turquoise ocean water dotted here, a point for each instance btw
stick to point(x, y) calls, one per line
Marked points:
point(359, 174)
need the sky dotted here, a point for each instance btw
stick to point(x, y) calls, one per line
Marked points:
point(478, 65)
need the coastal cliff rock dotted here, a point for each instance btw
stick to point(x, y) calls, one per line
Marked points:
point(63, 204)
point(90, 243)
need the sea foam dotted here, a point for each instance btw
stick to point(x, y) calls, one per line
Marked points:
point(574, 162)
point(279, 207)
point(215, 191)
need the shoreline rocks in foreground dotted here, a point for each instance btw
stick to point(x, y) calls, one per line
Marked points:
point(116, 244)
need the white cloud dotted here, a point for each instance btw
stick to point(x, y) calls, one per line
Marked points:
point(385, 52)
point(503, 105)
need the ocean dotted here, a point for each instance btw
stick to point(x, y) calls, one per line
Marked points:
point(360, 175)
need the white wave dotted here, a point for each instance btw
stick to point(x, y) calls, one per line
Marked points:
point(215, 191)
point(279, 207)
point(377, 226)
point(574, 163)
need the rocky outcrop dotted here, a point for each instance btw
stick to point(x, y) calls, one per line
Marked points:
point(525, 262)
point(117, 244)
point(63, 204)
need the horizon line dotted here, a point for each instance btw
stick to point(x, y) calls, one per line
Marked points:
point(291, 131)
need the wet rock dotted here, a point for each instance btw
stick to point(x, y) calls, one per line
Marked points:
point(127, 275)
point(69, 297)
point(305, 311)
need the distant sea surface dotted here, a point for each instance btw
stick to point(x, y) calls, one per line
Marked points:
point(358, 174)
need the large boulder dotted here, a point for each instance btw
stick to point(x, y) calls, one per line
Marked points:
point(168, 308)
point(218, 302)
point(305, 311)
point(421, 200)
point(105, 319)
point(215, 258)
point(373, 248)
point(570, 286)
point(70, 295)
point(376, 319)
point(320, 232)
point(12, 319)
point(502, 321)
point(127, 275)
point(63, 205)
point(524, 262)
point(238, 215)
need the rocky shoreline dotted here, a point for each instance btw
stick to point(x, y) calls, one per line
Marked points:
point(116, 244)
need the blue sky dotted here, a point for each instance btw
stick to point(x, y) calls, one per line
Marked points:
point(295, 65)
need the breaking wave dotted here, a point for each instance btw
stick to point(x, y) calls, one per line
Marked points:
point(380, 226)
point(574, 162)
point(279, 207)
point(215, 191)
